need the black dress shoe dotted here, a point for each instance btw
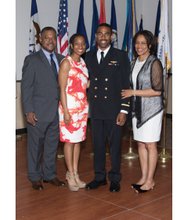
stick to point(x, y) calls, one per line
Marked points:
point(139, 190)
point(37, 185)
point(95, 184)
point(55, 181)
point(114, 187)
point(135, 186)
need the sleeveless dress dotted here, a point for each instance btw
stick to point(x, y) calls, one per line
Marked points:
point(150, 131)
point(77, 103)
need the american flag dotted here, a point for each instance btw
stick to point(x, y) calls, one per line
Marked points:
point(62, 36)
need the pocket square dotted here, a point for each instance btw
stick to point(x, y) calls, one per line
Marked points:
point(113, 63)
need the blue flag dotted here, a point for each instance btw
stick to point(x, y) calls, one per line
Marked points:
point(127, 40)
point(156, 32)
point(81, 26)
point(113, 24)
point(141, 24)
point(95, 22)
point(130, 28)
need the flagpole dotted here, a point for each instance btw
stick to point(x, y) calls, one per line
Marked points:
point(130, 154)
point(164, 155)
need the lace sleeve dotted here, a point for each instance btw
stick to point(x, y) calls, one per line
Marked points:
point(157, 76)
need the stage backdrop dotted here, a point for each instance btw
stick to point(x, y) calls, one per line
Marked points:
point(48, 16)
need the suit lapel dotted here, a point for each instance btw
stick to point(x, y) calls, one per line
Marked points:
point(46, 62)
point(59, 58)
point(44, 59)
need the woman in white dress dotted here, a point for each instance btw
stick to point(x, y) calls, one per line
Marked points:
point(147, 106)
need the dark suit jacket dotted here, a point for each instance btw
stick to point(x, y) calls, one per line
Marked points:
point(40, 90)
point(106, 82)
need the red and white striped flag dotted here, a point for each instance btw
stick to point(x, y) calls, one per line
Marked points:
point(62, 32)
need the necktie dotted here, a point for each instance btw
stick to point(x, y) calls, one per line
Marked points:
point(53, 66)
point(102, 57)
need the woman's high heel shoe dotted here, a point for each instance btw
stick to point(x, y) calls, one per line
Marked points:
point(135, 186)
point(139, 190)
point(70, 177)
point(80, 183)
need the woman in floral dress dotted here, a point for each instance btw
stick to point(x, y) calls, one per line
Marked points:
point(73, 108)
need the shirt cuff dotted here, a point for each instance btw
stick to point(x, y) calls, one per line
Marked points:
point(123, 111)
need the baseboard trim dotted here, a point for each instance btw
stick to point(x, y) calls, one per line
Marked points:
point(168, 115)
point(21, 131)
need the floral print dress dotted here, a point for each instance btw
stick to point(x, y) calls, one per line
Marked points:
point(77, 103)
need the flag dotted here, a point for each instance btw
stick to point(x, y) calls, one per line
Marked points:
point(34, 32)
point(141, 24)
point(163, 52)
point(156, 32)
point(81, 26)
point(62, 29)
point(113, 24)
point(134, 18)
point(94, 25)
point(102, 18)
point(130, 28)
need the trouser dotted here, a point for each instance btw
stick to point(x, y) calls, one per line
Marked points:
point(42, 144)
point(103, 130)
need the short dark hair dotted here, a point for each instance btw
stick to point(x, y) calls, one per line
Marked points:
point(48, 28)
point(150, 39)
point(105, 25)
point(72, 38)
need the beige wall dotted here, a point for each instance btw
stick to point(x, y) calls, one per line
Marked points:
point(20, 120)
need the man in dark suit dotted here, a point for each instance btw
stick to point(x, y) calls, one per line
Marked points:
point(109, 73)
point(40, 97)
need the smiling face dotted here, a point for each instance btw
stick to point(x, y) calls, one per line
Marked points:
point(103, 37)
point(78, 46)
point(48, 40)
point(142, 47)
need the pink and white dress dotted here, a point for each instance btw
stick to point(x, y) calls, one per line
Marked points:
point(77, 103)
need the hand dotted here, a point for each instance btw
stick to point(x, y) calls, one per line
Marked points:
point(126, 93)
point(67, 118)
point(88, 84)
point(121, 119)
point(31, 118)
